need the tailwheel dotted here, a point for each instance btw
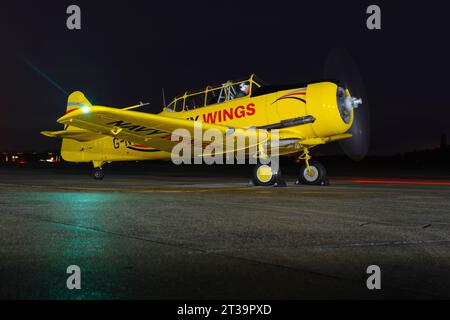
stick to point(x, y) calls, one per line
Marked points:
point(264, 175)
point(99, 174)
point(313, 173)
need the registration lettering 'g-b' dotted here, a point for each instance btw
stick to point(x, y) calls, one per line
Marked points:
point(133, 127)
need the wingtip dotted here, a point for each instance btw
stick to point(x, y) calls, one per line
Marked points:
point(66, 118)
point(47, 134)
point(81, 112)
point(63, 118)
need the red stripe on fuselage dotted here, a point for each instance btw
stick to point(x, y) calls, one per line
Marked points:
point(294, 94)
point(71, 110)
point(139, 146)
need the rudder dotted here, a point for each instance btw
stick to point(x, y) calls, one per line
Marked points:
point(77, 100)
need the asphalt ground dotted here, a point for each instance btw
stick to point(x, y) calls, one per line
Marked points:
point(164, 235)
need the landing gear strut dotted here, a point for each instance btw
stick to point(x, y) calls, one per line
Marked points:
point(311, 172)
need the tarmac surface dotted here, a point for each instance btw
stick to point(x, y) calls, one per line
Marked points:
point(163, 236)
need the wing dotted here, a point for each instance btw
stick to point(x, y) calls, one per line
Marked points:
point(148, 129)
point(320, 140)
point(289, 143)
point(75, 134)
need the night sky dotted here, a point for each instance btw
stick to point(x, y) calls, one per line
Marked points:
point(128, 50)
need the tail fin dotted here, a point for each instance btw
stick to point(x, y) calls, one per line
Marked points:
point(75, 101)
point(74, 139)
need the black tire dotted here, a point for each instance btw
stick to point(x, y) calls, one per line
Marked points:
point(263, 175)
point(318, 170)
point(98, 174)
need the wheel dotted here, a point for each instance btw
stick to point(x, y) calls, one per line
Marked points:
point(98, 174)
point(317, 176)
point(263, 175)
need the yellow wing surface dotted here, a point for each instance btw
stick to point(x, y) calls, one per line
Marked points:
point(149, 129)
point(75, 134)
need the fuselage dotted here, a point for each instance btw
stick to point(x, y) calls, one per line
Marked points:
point(267, 110)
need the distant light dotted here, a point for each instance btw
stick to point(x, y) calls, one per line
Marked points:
point(85, 109)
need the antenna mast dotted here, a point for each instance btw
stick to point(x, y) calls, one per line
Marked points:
point(164, 98)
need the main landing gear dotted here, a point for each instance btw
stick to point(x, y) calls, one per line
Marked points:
point(98, 171)
point(311, 172)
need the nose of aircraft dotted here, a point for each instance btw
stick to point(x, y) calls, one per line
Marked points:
point(332, 107)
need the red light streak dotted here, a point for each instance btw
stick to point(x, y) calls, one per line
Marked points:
point(406, 182)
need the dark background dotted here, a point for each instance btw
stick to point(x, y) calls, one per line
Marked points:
point(127, 51)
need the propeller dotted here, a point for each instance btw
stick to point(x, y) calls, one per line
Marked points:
point(341, 67)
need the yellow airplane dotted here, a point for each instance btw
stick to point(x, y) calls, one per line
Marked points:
point(305, 115)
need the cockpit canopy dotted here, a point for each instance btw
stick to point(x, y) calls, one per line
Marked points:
point(227, 91)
